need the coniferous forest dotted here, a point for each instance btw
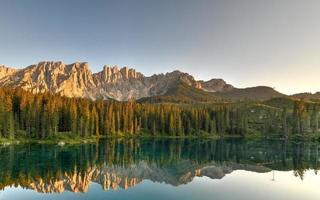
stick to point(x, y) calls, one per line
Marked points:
point(43, 116)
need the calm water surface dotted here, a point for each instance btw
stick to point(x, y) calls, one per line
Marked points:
point(161, 169)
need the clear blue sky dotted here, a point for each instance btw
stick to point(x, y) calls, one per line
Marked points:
point(246, 42)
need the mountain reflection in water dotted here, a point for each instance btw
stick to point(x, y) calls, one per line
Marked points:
point(124, 163)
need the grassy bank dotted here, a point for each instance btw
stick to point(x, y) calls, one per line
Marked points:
point(70, 139)
point(61, 139)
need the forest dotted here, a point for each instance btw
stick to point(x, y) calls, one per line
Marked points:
point(45, 116)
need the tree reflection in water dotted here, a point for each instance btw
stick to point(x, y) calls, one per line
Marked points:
point(124, 163)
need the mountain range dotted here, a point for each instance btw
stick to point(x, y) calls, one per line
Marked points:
point(122, 84)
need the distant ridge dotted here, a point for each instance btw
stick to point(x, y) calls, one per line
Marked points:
point(252, 93)
point(307, 95)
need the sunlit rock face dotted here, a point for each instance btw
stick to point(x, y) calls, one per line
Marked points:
point(73, 80)
point(77, 80)
point(215, 85)
point(6, 71)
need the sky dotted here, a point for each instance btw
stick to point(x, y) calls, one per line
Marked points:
point(245, 42)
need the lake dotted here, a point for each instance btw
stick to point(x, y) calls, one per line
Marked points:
point(161, 169)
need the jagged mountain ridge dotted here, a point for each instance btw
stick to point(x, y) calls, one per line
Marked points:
point(5, 71)
point(77, 80)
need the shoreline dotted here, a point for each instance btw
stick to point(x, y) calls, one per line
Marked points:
point(77, 140)
point(74, 140)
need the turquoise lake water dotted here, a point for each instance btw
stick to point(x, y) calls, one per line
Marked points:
point(161, 169)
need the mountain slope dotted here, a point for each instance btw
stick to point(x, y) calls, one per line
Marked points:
point(307, 95)
point(181, 92)
point(251, 93)
point(281, 102)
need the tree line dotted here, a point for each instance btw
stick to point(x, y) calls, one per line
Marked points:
point(23, 114)
point(42, 116)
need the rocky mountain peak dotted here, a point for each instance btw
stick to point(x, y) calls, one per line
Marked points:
point(115, 74)
point(215, 85)
point(69, 80)
point(81, 66)
point(130, 73)
point(186, 78)
point(5, 71)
